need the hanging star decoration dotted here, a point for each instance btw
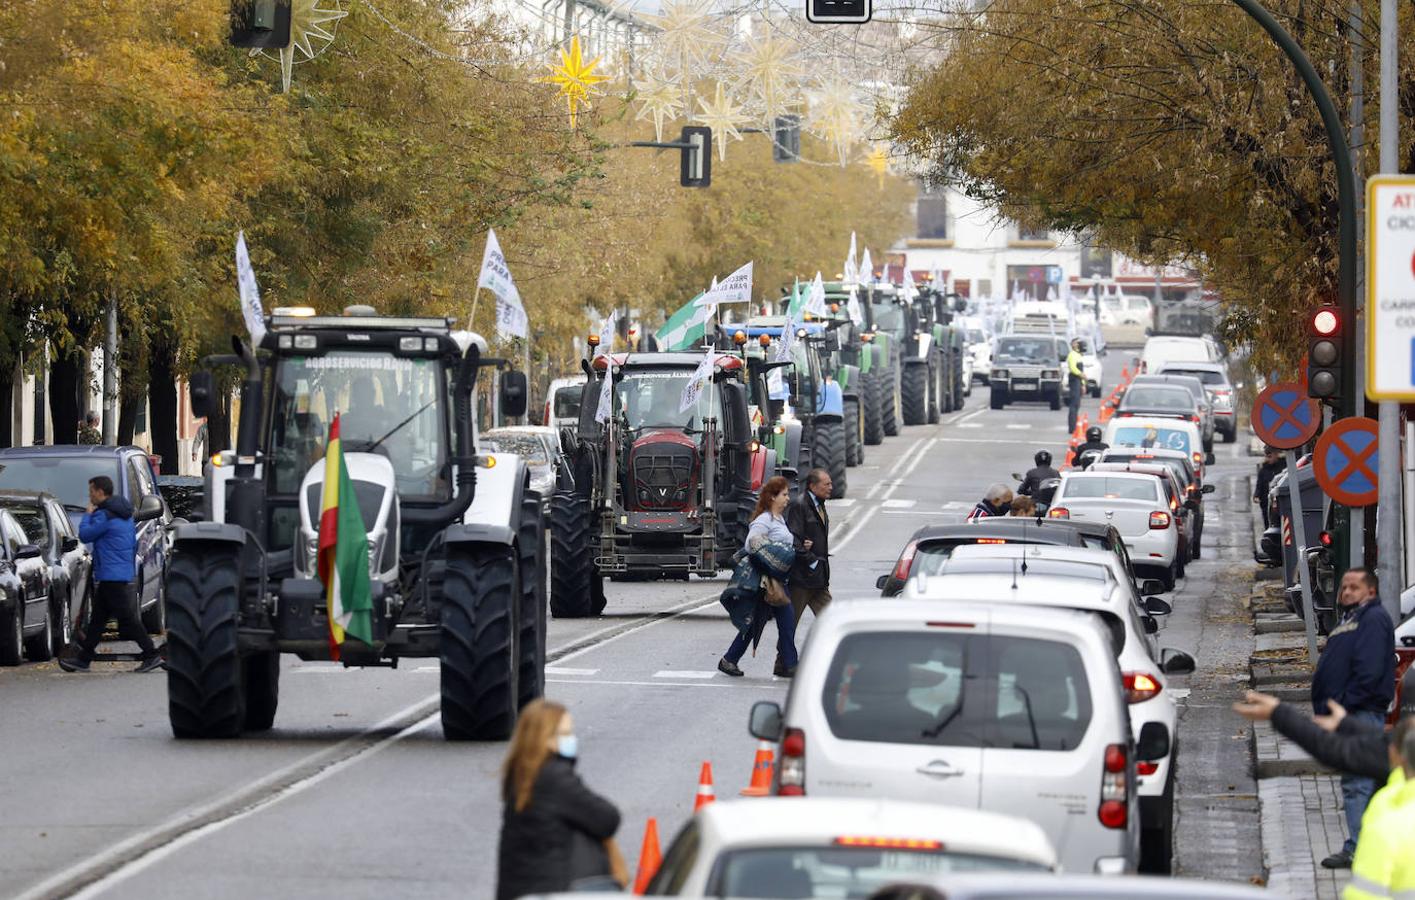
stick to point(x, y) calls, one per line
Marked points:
point(660, 97)
point(575, 78)
point(312, 28)
point(688, 37)
point(835, 115)
point(878, 161)
point(772, 71)
point(722, 116)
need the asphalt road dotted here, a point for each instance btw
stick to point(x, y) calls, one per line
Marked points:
point(354, 793)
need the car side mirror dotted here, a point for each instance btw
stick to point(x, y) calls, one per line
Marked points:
point(1151, 586)
point(1152, 626)
point(149, 508)
point(881, 581)
point(766, 721)
point(203, 393)
point(68, 544)
point(1208, 489)
point(514, 394)
point(1153, 743)
point(28, 551)
point(1209, 458)
point(1157, 607)
point(1176, 662)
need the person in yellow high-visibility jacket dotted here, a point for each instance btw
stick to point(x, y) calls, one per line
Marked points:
point(1075, 383)
point(1384, 865)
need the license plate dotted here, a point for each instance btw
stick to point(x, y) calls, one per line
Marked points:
point(1024, 382)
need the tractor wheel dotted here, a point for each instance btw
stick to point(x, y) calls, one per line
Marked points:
point(154, 620)
point(572, 570)
point(40, 648)
point(854, 446)
point(961, 389)
point(997, 398)
point(940, 400)
point(915, 393)
point(731, 530)
point(206, 695)
point(830, 454)
point(871, 408)
point(478, 646)
point(261, 674)
point(530, 540)
point(891, 400)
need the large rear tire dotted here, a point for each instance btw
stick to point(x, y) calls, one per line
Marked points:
point(830, 454)
point(891, 401)
point(261, 676)
point(854, 445)
point(940, 400)
point(915, 393)
point(206, 695)
point(530, 540)
point(478, 646)
point(573, 577)
point(871, 408)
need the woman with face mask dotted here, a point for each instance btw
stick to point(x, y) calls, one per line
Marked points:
point(556, 834)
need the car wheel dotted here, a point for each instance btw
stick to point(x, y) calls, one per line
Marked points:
point(1171, 575)
point(61, 622)
point(12, 639)
point(1157, 844)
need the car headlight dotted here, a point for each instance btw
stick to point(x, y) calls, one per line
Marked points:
point(1049, 373)
point(999, 373)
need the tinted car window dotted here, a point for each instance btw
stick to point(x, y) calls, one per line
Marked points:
point(1111, 488)
point(959, 690)
point(65, 478)
point(135, 491)
point(567, 402)
point(14, 537)
point(849, 872)
point(32, 521)
point(1204, 375)
point(1147, 436)
point(1176, 398)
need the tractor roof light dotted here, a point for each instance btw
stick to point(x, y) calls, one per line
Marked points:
point(739, 337)
point(594, 340)
point(764, 340)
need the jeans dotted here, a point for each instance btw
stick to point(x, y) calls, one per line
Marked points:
point(115, 600)
point(785, 638)
point(1074, 388)
point(1356, 791)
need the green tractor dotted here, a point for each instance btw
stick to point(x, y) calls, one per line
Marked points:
point(861, 366)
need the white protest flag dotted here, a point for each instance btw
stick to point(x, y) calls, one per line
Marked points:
point(815, 300)
point(606, 333)
point(776, 388)
point(857, 313)
point(694, 387)
point(250, 294)
point(735, 288)
point(910, 291)
point(849, 274)
point(606, 398)
point(788, 337)
point(867, 269)
point(511, 320)
point(936, 277)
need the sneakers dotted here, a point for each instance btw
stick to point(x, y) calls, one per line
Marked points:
point(152, 662)
point(1341, 859)
point(727, 667)
point(73, 664)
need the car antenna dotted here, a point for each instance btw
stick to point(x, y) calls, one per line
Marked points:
point(1022, 549)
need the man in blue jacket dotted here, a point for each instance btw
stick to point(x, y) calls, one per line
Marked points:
point(1357, 670)
point(108, 526)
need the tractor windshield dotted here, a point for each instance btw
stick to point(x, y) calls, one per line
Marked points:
point(650, 398)
point(888, 317)
point(389, 405)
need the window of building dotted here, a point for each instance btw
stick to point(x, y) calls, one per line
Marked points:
point(1032, 234)
point(932, 214)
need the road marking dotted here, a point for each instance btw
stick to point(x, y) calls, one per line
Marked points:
point(1018, 426)
point(908, 470)
point(842, 503)
point(563, 670)
point(883, 483)
point(722, 685)
point(970, 424)
point(956, 505)
point(975, 413)
point(898, 504)
point(985, 441)
point(1179, 693)
point(678, 673)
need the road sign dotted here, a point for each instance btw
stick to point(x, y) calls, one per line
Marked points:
point(1346, 462)
point(1284, 416)
point(1390, 287)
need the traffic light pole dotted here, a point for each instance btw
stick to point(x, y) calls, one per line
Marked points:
point(1389, 517)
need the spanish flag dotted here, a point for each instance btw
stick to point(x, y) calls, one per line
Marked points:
point(343, 552)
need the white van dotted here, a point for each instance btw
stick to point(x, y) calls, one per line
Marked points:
point(562, 402)
point(1163, 348)
point(1012, 710)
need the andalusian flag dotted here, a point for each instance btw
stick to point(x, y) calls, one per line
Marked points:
point(343, 551)
point(686, 328)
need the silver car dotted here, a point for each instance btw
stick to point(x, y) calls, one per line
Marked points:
point(538, 446)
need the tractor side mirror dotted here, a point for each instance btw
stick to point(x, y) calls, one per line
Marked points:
point(203, 392)
point(149, 508)
point(514, 394)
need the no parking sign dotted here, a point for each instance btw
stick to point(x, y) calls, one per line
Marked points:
point(1284, 416)
point(1346, 462)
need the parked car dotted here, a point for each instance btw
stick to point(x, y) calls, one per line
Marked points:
point(64, 471)
point(1136, 505)
point(1016, 710)
point(24, 596)
point(1027, 886)
point(1207, 420)
point(975, 337)
point(1125, 309)
point(1214, 376)
point(831, 847)
point(538, 446)
point(1182, 465)
point(70, 562)
point(562, 403)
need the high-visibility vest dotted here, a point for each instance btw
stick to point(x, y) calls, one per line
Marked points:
point(1074, 365)
point(1384, 866)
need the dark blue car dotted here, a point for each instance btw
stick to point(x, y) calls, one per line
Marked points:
point(64, 471)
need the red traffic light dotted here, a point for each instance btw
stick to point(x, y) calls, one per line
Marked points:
point(1326, 322)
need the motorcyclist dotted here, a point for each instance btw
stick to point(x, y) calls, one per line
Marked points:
point(1041, 472)
point(1093, 444)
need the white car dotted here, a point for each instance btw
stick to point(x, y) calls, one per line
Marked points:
point(1136, 505)
point(1158, 433)
point(1125, 309)
point(562, 403)
point(978, 344)
point(1084, 579)
point(829, 847)
point(538, 447)
point(1010, 709)
point(1164, 348)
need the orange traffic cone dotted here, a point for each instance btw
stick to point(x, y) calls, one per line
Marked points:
point(649, 857)
point(1106, 412)
point(761, 771)
point(1082, 425)
point(1125, 375)
point(705, 792)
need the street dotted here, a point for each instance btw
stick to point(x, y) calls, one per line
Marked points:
point(354, 793)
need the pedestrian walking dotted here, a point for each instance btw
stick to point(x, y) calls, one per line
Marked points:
point(108, 526)
point(768, 526)
point(1357, 669)
point(996, 502)
point(557, 835)
point(1273, 463)
point(1075, 384)
point(810, 529)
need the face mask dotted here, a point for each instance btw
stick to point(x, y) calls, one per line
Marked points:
point(567, 746)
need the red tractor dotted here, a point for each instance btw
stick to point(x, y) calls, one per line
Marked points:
point(660, 487)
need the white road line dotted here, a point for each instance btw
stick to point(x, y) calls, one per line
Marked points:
point(970, 424)
point(1179, 693)
point(843, 503)
point(679, 673)
point(880, 485)
point(1018, 426)
point(977, 412)
point(899, 504)
point(722, 685)
point(956, 505)
point(562, 670)
point(908, 470)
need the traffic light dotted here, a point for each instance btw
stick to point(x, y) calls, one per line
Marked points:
point(260, 24)
point(695, 162)
point(1324, 355)
point(786, 138)
point(838, 12)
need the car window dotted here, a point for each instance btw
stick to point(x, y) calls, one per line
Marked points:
point(64, 477)
point(847, 872)
point(62, 526)
point(958, 566)
point(14, 537)
point(135, 491)
point(962, 690)
point(1152, 436)
point(677, 864)
point(528, 446)
point(1207, 377)
point(1101, 487)
point(33, 523)
point(1176, 398)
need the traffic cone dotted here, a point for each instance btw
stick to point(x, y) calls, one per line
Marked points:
point(761, 771)
point(649, 857)
point(1125, 375)
point(1082, 425)
point(1106, 412)
point(705, 792)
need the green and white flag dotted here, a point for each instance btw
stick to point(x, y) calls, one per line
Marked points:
point(815, 297)
point(794, 302)
point(686, 328)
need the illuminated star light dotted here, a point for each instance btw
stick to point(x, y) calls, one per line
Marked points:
point(575, 78)
point(773, 71)
point(723, 117)
point(307, 34)
point(835, 115)
point(688, 36)
point(878, 161)
point(660, 97)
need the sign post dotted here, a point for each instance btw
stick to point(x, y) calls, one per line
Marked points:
point(1286, 418)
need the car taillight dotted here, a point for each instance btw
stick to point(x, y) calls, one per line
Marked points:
point(1114, 811)
point(1146, 768)
point(1059, 512)
point(1325, 538)
point(1193, 418)
point(1173, 504)
point(906, 562)
point(1159, 520)
point(1198, 458)
point(1140, 686)
point(791, 776)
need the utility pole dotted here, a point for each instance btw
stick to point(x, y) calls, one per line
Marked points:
point(110, 370)
point(1389, 559)
point(1355, 35)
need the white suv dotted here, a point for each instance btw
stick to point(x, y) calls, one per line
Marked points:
point(1014, 710)
point(1136, 505)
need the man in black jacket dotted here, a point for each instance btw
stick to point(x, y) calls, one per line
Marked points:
point(1273, 463)
point(1035, 476)
point(810, 527)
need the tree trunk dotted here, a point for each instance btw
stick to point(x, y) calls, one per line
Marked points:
point(162, 410)
point(129, 402)
point(66, 377)
point(7, 406)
